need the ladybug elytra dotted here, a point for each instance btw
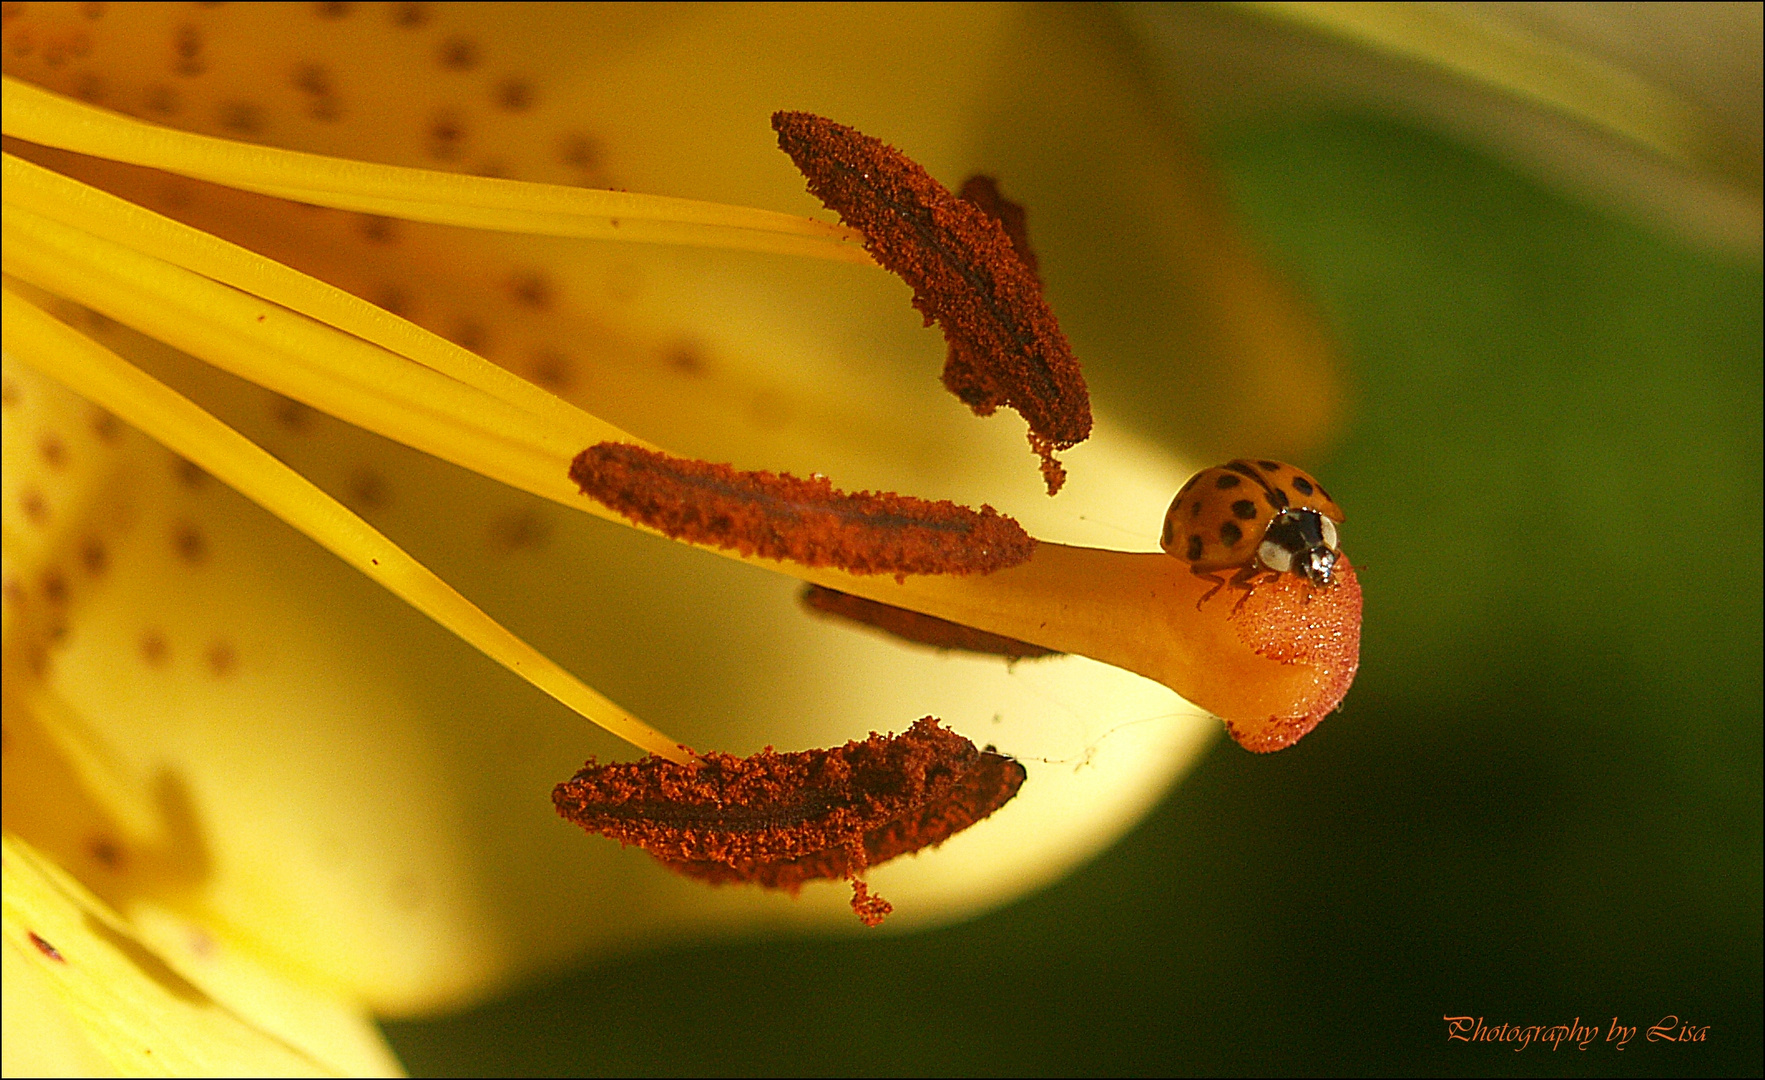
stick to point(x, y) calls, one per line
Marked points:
point(1256, 517)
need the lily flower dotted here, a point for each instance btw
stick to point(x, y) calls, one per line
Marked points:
point(255, 796)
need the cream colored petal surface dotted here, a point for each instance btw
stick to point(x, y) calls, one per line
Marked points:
point(112, 999)
point(363, 798)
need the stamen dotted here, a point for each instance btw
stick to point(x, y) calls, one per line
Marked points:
point(782, 517)
point(1291, 621)
point(983, 191)
point(1270, 670)
point(917, 628)
point(969, 377)
point(31, 186)
point(780, 820)
point(964, 272)
point(37, 115)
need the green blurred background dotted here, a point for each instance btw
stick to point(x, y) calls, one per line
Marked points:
point(1543, 799)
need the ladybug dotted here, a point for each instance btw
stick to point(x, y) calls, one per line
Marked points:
point(1258, 517)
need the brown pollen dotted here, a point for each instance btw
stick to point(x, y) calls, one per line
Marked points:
point(965, 272)
point(783, 517)
point(780, 820)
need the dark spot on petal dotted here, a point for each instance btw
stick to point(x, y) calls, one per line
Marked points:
point(686, 360)
point(189, 543)
point(368, 491)
point(91, 88)
point(376, 229)
point(395, 300)
point(313, 79)
point(34, 506)
point(1244, 509)
point(293, 415)
point(520, 530)
point(93, 557)
point(189, 474)
point(470, 336)
point(531, 290)
point(553, 370)
point(53, 586)
point(580, 151)
point(187, 51)
point(446, 135)
point(45, 948)
point(154, 649)
point(221, 659)
point(105, 852)
point(458, 54)
point(1302, 485)
point(1195, 549)
point(162, 100)
point(1230, 534)
point(513, 95)
point(53, 452)
point(241, 117)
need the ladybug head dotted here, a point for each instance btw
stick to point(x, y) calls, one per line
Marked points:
point(1316, 565)
point(1302, 541)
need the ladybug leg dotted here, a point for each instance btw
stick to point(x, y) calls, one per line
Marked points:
point(1247, 580)
point(1218, 584)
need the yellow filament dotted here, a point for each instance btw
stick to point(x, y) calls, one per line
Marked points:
point(36, 115)
point(300, 357)
point(106, 379)
point(309, 341)
point(89, 209)
point(386, 393)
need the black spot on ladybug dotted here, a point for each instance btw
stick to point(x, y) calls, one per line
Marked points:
point(1230, 534)
point(1226, 480)
point(1322, 492)
point(1244, 509)
point(1165, 540)
point(1194, 509)
point(1270, 466)
point(1302, 485)
point(1278, 499)
point(1195, 549)
point(1242, 468)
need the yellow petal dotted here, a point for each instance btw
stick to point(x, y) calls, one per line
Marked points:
point(368, 798)
point(136, 1010)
